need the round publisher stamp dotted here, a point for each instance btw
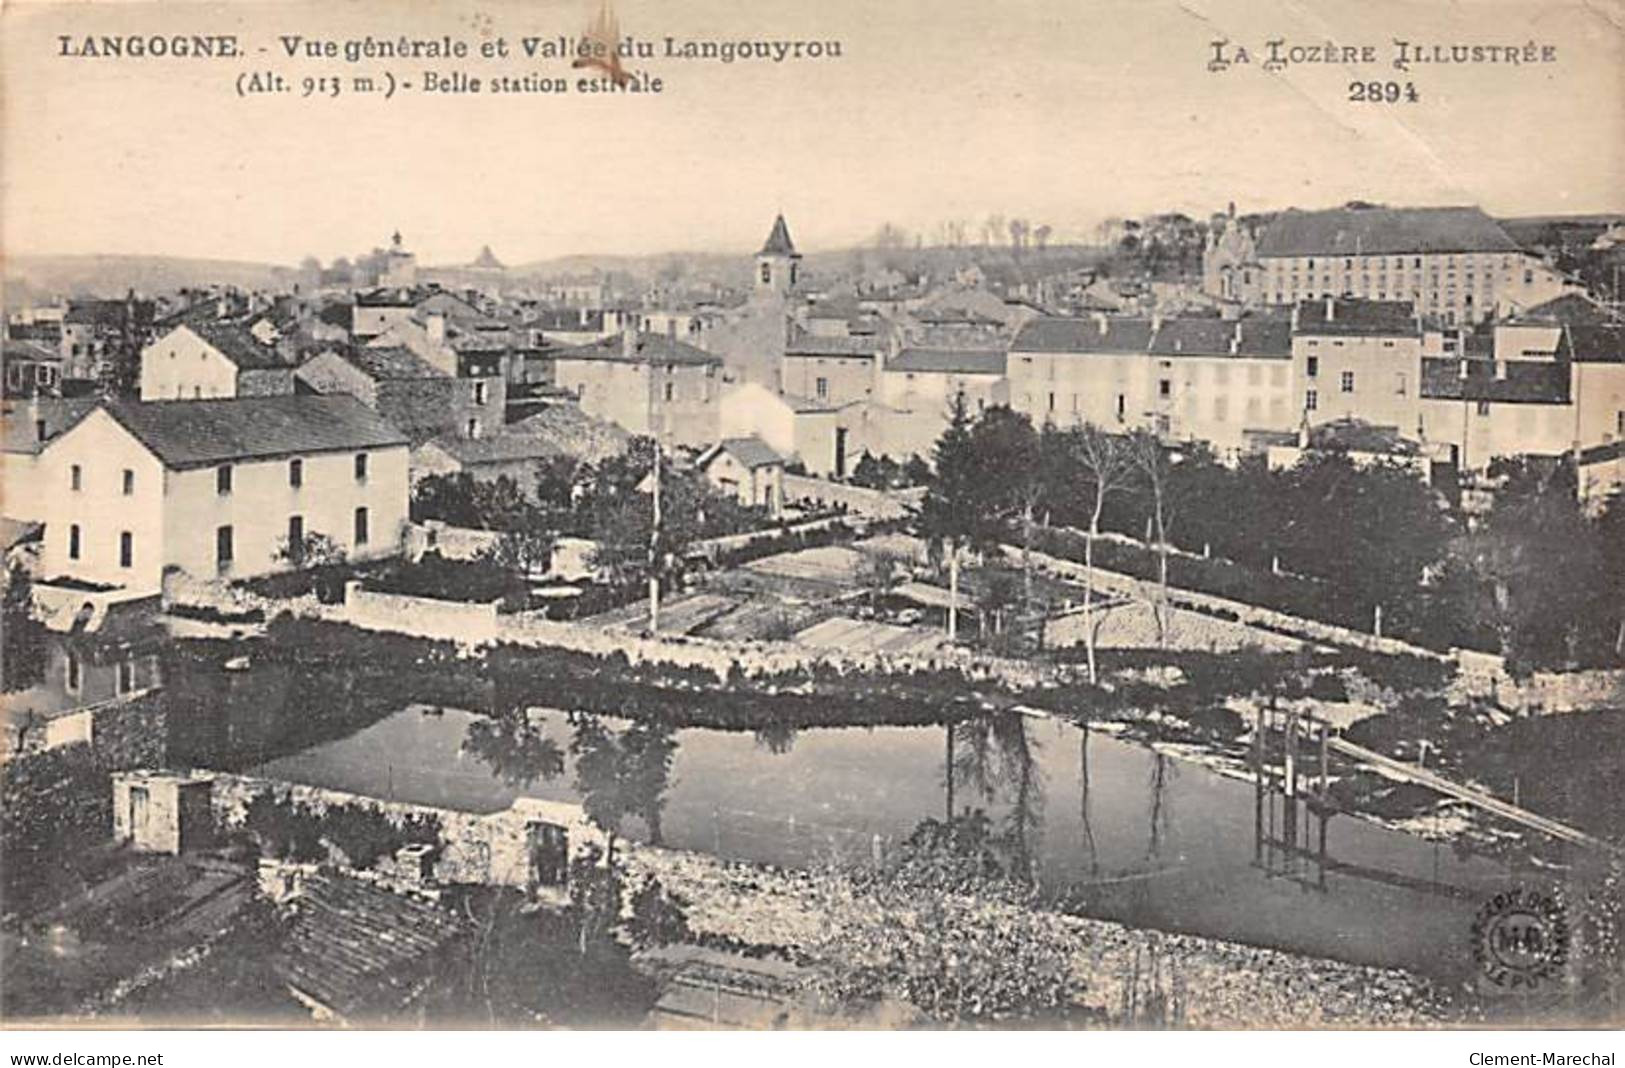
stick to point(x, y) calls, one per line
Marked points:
point(1521, 941)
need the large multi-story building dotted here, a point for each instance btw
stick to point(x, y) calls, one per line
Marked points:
point(218, 488)
point(1185, 379)
point(1454, 264)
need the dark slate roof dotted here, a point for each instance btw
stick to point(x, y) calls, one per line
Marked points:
point(751, 452)
point(499, 448)
point(778, 241)
point(337, 314)
point(949, 361)
point(1217, 337)
point(1571, 308)
point(197, 433)
point(392, 362)
point(1523, 381)
point(239, 346)
point(1593, 343)
point(567, 319)
point(837, 307)
point(1380, 231)
point(650, 348)
point(1095, 334)
point(17, 430)
point(814, 345)
point(1352, 315)
point(360, 949)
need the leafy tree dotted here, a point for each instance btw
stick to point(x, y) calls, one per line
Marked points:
point(22, 638)
point(949, 516)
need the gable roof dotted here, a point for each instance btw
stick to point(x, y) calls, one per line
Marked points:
point(778, 241)
point(1353, 315)
point(391, 363)
point(1570, 308)
point(360, 949)
point(1379, 231)
point(1097, 334)
point(949, 361)
point(239, 346)
point(648, 348)
point(804, 344)
point(750, 453)
point(1218, 337)
point(199, 433)
point(18, 432)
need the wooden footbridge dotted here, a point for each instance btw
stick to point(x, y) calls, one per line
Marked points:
point(1291, 758)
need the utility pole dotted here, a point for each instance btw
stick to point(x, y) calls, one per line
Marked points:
point(656, 424)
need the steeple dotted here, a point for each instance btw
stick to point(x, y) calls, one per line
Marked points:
point(778, 262)
point(778, 241)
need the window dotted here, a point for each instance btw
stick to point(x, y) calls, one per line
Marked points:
point(1311, 366)
point(1311, 400)
point(223, 549)
point(129, 482)
point(1483, 407)
point(296, 473)
point(670, 392)
point(222, 480)
point(125, 681)
point(76, 478)
point(1346, 382)
point(126, 549)
point(296, 538)
point(767, 273)
point(1399, 383)
point(70, 671)
point(361, 467)
point(73, 542)
point(1165, 387)
point(361, 526)
point(472, 429)
point(821, 388)
point(479, 393)
point(1122, 406)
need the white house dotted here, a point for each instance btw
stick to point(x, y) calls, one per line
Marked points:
point(748, 469)
point(796, 427)
point(208, 361)
point(218, 488)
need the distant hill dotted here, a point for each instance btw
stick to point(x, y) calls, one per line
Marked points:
point(40, 277)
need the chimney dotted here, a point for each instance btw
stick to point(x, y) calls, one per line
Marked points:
point(435, 325)
point(629, 343)
point(1235, 339)
point(1331, 309)
point(1295, 309)
point(1100, 321)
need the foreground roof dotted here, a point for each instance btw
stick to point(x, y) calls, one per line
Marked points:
point(197, 433)
point(18, 429)
point(1378, 231)
point(392, 362)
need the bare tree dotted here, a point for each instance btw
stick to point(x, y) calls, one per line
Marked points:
point(1108, 463)
point(1041, 236)
point(1150, 459)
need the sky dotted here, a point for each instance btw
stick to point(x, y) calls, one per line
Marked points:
point(1064, 112)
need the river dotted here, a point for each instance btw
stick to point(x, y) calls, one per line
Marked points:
point(1130, 834)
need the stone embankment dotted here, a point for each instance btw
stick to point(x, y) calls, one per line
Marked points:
point(1222, 984)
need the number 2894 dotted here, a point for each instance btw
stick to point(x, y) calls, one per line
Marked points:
point(1383, 93)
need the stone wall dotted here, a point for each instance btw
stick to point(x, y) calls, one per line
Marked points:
point(422, 617)
point(490, 849)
